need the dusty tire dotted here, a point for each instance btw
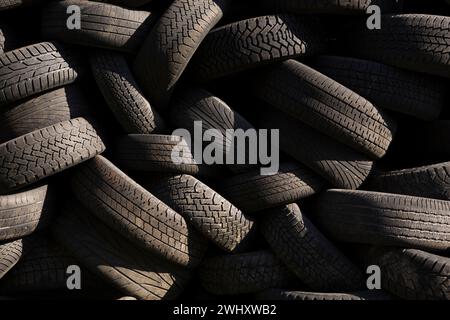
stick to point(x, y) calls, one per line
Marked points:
point(2, 41)
point(153, 153)
point(34, 69)
point(171, 44)
point(414, 274)
point(338, 164)
point(200, 105)
point(123, 95)
point(279, 294)
point(10, 253)
point(251, 43)
point(325, 105)
point(385, 219)
point(387, 87)
point(45, 152)
point(26, 212)
point(254, 192)
point(128, 208)
point(12, 4)
point(429, 182)
point(211, 214)
point(243, 273)
point(307, 253)
point(417, 42)
point(116, 260)
point(102, 25)
point(42, 111)
point(126, 3)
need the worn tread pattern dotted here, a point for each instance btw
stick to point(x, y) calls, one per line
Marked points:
point(123, 95)
point(2, 41)
point(34, 69)
point(117, 261)
point(126, 3)
point(417, 42)
point(42, 111)
point(338, 164)
point(325, 105)
point(428, 181)
point(211, 214)
point(128, 208)
point(243, 273)
point(12, 4)
point(385, 219)
point(414, 274)
point(102, 25)
point(154, 153)
point(45, 152)
point(387, 87)
point(254, 192)
point(10, 254)
point(171, 44)
point(279, 294)
point(253, 42)
point(307, 253)
point(24, 213)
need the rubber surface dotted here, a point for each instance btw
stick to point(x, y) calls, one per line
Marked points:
point(45, 152)
point(279, 294)
point(385, 219)
point(10, 253)
point(135, 213)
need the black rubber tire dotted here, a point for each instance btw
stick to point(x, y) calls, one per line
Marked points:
point(126, 3)
point(10, 253)
point(200, 105)
point(26, 212)
point(151, 152)
point(417, 42)
point(243, 273)
point(117, 261)
point(2, 41)
point(309, 254)
point(42, 111)
point(128, 208)
point(429, 181)
point(385, 219)
point(253, 42)
point(387, 87)
point(205, 209)
point(414, 274)
point(254, 192)
point(338, 164)
point(279, 294)
point(12, 4)
point(325, 105)
point(171, 44)
point(45, 152)
point(34, 69)
point(102, 25)
point(123, 95)
point(331, 6)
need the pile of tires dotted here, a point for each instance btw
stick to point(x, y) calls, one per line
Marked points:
point(94, 206)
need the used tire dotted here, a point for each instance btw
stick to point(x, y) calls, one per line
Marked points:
point(325, 105)
point(254, 192)
point(243, 273)
point(2, 41)
point(416, 42)
point(102, 25)
point(12, 4)
point(45, 152)
point(211, 214)
point(171, 44)
point(279, 294)
point(137, 214)
point(429, 181)
point(414, 274)
point(385, 219)
point(126, 3)
point(338, 164)
point(24, 213)
point(307, 253)
point(251, 43)
point(34, 69)
point(10, 253)
point(123, 95)
point(387, 87)
point(154, 153)
point(42, 111)
point(116, 260)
